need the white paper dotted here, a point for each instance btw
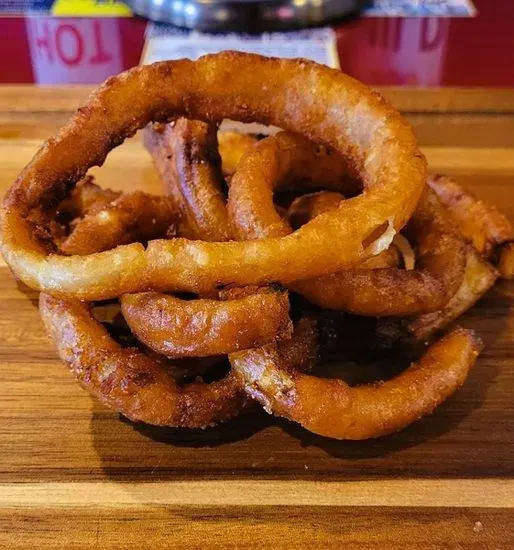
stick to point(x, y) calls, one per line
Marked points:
point(167, 42)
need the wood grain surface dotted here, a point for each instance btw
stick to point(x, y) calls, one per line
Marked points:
point(75, 475)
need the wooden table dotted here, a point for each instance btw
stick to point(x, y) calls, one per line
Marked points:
point(74, 475)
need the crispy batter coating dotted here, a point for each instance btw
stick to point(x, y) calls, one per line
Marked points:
point(337, 247)
point(374, 292)
point(331, 408)
point(199, 328)
point(479, 277)
point(277, 162)
point(308, 206)
point(232, 147)
point(129, 381)
point(185, 154)
point(322, 104)
point(482, 224)
point(131, 217)
point(85, 197)
point(141, 387)
point(440, 265)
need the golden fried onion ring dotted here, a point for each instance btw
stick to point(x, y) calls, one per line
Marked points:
point(141, 387)
point(129, 381)
point(479, 277)
point(278, 162)
point(199, 328)
point(331, 408)
point(131, 217)
point(203, 318)
point(232, 147)
point(375, 292)
point(488, 230)
point(439, 271)
point(324, 105)
point(85, 197)
point(481, 223)
point(185, 154)
point(308, 206)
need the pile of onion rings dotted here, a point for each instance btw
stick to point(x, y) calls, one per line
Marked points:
point(190, 308)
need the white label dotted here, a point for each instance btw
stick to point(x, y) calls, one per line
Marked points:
point(165, 42)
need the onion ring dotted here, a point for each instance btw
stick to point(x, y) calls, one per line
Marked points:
point(117, 361)
point(134, 216)
point(109, 314)
point(139, 386)
point(332, 109)
point(188, 164)
point(84, 198)
point(481, 223)
point(53, 226)
point(129, 381)
point(186, 156)
point(440, 266)
point(374, 292)
point(232, 146)
point(275, 163)
point(199, 328)
point(306, 207)
point(300, 352)
point(479, 277)
point(360, 412)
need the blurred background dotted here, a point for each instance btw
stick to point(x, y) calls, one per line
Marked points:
point(385, 42)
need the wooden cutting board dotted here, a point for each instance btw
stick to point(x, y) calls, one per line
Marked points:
point(74, 474)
